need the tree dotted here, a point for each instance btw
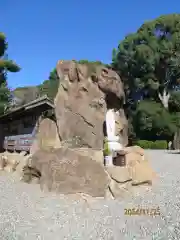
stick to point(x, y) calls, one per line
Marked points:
point(5, 66)
point(174, 102)
point(93, 63)
point(30, 94)
point(50, 87)
point(149, 60)
point(152, 121)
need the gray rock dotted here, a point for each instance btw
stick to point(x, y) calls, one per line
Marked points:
point(64, 170)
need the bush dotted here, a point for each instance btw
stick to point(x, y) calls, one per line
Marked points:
point(158, 144)
point(144, 144)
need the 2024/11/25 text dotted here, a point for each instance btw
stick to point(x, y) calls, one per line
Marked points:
point(142, 211)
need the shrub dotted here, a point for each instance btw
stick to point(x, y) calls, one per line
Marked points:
point(158, 144)
point(144, 144)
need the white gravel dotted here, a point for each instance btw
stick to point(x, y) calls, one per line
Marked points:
point(26, 213)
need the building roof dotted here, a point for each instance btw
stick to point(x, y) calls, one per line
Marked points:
point(44, 100)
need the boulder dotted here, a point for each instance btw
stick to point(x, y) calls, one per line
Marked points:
point(11, 161)
point(135, 149)
point(119, 174)
point(81, 170)
point(142, 173)
point(96, 155)
point(3, 160)
point(66, 171)
point(30, 175)
point(23, 153)
point(84, 94)
point(132, 158)
point(135, 167)
point(46, 135)
point(130, 155)
point(120, 191)
point(14, 162)
point(24, 161)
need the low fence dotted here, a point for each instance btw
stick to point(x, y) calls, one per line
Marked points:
point(18, 142)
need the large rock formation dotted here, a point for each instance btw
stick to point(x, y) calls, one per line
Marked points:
point(136, 170)
point(85, 92)
point(71, 171)
point(46, 135)
point(136, 167)
point(84, 95)
point(66, 171)
point(11, 162)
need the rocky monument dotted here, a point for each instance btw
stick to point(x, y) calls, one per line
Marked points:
point(85, 92)
point(67, 155)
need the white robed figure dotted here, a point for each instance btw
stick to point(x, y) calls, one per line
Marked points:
point(112, 140)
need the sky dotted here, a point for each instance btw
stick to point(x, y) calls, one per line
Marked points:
point(41, 32)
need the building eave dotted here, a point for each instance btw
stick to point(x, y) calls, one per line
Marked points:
point(33, 104)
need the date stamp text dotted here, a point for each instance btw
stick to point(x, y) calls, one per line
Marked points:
point(142, 211)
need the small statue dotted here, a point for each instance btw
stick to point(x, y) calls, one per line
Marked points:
point(170, 145)
point(112, 142)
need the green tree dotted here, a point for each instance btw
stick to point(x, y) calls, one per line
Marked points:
point(93, 63)
point(149, 60)
point(83, 61)
point(50, 87)
point(152, 121)
point(5, 66)
point(174, 102)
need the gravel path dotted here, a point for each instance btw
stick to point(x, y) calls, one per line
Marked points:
point(27, 213)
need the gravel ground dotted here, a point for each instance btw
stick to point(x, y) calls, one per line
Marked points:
point(27, 213)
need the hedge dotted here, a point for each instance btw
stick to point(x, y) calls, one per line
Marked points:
point(158, 144)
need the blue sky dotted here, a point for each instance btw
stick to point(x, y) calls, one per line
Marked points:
point(40, 32)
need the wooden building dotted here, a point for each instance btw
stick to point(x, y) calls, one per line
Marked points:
point(18, 127)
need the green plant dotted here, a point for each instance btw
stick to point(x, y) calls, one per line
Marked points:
point(6, 66)
point(106, 149)
point(50, 87)
point(149, 59)
point(144, 144)
point(158, 144)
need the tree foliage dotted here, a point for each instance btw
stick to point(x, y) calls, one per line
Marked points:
point(148, 62)
point(174, 102)
point(151, 121)
point(93, 63)
point(6, 66)
point(50, 87)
